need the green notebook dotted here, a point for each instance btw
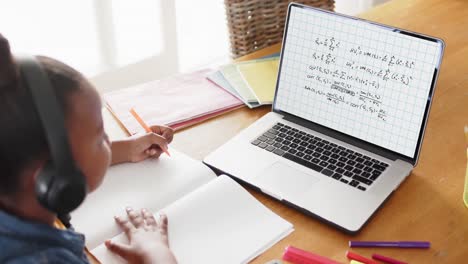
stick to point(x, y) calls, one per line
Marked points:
point(232, 75)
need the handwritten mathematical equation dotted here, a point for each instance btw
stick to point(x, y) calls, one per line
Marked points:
point(367, 102)
point(340, 74)
point(330, 43)
point(391, 60)
point(328, 58)
point(381, 74)
point(327, 81)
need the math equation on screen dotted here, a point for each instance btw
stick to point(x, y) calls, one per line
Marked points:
point(355, 75)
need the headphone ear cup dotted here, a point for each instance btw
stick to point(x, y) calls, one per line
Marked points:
point(43, 184)
point(60, 194)
point(67, 194)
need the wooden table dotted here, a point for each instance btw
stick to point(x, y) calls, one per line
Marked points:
point(428, 205)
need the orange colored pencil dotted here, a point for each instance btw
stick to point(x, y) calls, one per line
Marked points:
point(146, 127)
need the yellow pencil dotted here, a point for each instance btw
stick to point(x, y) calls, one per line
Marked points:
point(146, 127)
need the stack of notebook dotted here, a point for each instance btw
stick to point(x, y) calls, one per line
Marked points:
point(178, 101)
point(253, 82)
point(186, 99)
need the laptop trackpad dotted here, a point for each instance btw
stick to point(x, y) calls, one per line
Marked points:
point(281, 179)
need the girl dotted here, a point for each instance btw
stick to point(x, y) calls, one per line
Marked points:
point(27, 232)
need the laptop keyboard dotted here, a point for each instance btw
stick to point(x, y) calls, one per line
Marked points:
point(342, 164)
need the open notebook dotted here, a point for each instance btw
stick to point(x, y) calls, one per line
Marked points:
point(211, 219)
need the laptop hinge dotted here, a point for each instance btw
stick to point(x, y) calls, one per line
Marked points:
point(343, 137)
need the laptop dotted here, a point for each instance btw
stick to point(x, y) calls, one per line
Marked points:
point(350, 109)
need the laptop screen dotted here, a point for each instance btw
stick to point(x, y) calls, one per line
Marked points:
point(366, 80)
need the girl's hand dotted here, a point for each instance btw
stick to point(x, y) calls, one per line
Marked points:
point(149, 145)
point(148, 239)
point(140, 147)
point(164, 131)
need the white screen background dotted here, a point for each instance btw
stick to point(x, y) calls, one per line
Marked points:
point(357, 78)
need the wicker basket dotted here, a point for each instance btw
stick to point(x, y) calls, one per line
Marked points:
point(255, 24)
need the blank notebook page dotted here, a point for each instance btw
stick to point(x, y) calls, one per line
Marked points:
point(151, 184)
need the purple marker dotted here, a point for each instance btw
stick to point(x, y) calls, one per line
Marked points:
point(398, 244)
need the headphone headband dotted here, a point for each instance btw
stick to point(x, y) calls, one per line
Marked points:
point(49, 111)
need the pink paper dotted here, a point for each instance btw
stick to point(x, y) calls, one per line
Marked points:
point(174, 101)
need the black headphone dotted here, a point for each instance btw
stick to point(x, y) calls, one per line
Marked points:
point(60, 186)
